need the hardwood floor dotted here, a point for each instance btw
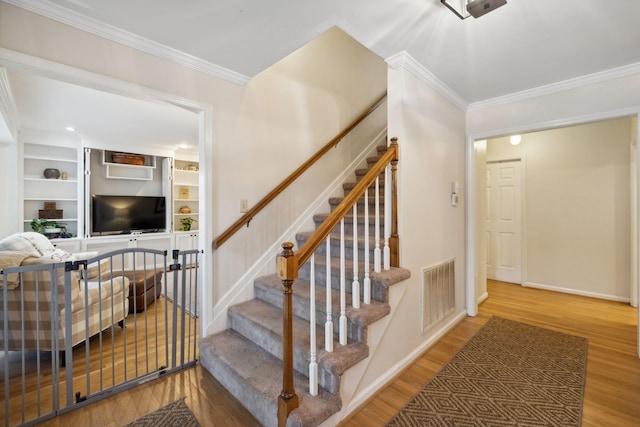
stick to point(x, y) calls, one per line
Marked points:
point(612, 393)
point(122, 355)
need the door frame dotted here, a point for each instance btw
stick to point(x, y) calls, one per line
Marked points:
point(472, 264)
point(523, 205)
point(80, 77)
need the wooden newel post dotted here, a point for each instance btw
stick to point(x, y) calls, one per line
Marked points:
point(287, 271)
point(394, 240)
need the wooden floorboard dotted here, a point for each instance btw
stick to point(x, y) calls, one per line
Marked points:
point(612, 393)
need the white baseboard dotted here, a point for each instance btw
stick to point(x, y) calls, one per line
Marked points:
point(576, 292)
point(396, 369)
point(483, 297)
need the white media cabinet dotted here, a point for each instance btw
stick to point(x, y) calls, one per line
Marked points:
point(89, 171)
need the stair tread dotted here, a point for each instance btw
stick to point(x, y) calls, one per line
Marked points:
point(269, 317)
point(377, 279)
point(348, 237)
point(247, 361)
point(253, 375)
point(372, 200)
point(363, 316)
point(363, 171)
point(350, 185)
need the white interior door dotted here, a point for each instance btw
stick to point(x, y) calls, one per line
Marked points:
point(504, 221)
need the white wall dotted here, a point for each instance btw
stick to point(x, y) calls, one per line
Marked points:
point(581, 101)
point(431, 141)
point(609, 98)
point(577, 206)
point(288, 112)
point(9, 190)
point(259, 132)
point(480, 179)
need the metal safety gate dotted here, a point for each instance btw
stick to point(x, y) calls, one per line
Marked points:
point(75, 331)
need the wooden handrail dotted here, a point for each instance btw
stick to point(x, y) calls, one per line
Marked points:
point(289, 263)
point(347, 203)
point(247, 217)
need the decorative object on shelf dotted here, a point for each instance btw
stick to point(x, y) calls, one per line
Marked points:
point(51, 173)
point(128, 159)
point(186, 223)
point(183, 193)
point(50, 228)
point(50, 211)
point(65, 176)
point(192, 168)
point(185, 209)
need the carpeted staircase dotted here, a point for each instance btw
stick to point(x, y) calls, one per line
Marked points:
point(246, 357)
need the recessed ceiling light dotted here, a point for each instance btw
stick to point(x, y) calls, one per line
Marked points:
point(70, 128)
point(515, 139)
point(184, 145)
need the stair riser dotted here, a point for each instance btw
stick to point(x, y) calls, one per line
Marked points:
point(334, 202)
point(360, 172)
point(300, 308)
point(348, 186)
point(348, 249)
point(237, 386)
point(371, 195)
point(378, 293)
point(348, 227)
point(372, 160)
point(272, 343)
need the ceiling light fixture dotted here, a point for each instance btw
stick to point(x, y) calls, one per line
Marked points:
point(476, 8)
point(515, 139)
point(70, 128)
point(184, 145)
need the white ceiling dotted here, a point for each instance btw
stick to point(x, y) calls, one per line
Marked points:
point(100, 117)
point(522, 45)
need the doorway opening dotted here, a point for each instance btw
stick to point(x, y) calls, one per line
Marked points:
point(578, 210)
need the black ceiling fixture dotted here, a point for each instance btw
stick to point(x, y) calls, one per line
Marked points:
point(476, 8)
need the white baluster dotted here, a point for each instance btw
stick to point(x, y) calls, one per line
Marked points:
point(376, 251)
point(355, 285)
point(367, 280)
point(387, 217)
point(343, 289)
point(328, 326)
point(313, 364)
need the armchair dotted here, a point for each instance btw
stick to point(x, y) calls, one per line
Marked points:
point(30, 300)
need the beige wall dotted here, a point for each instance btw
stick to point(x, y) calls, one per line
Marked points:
point(431, 140)
point(259, 132)
point(577, 201)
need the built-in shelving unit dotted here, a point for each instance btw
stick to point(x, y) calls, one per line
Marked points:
point(139, 171)
point(37, 189)
point(185, 193)
point(83, 174)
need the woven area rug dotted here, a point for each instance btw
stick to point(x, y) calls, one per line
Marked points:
point(176, 414)
point(508, 374)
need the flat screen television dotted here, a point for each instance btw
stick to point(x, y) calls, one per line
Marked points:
point(124, 214)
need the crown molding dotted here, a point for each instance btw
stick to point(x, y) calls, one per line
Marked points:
point(582, 81)
point(8, 109)
point(77, 76)
point(413, 67)
point(110, 32)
